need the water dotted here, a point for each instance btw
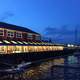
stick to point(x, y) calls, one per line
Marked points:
point(56, 69)
point(62, 68)
point(43, 71)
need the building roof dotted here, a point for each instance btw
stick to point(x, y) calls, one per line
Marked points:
point(15, 27)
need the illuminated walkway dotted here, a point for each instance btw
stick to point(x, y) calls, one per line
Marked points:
point(8, 47)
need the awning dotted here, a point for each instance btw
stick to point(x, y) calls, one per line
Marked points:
point(5, 41)
point(12, 42)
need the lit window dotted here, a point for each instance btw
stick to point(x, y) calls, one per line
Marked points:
point(6, 41)
point(29, 35)
point(10, 34)
point(1, 32)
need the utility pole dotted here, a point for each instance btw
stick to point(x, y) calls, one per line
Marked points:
point(76, 35)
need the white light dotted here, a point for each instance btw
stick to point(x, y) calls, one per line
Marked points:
point(25, 42)
point(69, 45)
point(6, 41)
point(19, 42)
point(72, 45)
point(1, 42)
point(14, 42)
point(16, 51)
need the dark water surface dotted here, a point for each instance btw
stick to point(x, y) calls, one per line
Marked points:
point(55, 69)
point(61, 68)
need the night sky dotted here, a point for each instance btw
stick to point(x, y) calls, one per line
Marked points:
point(57, 19)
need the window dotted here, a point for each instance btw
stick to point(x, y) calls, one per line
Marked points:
point(37, 37)
point(10, 34)
point(29, 35)
point(1, 32)
point(19, 35)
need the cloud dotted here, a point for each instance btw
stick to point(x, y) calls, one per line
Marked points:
point(64, 34)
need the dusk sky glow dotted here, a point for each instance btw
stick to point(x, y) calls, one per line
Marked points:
point(38, 15)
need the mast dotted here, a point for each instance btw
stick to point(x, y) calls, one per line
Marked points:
point(76, 35)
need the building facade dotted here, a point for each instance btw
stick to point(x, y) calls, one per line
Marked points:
point(17, 39)
point(13, 32)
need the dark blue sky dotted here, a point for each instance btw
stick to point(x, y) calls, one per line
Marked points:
point(40, 14)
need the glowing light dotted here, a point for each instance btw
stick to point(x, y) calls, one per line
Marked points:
point(19, 42)
point(1, 42)
point(14, 42)
point(25, 42)
point(6, 41)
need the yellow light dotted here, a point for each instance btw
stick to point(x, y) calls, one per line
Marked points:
point(35, 47)
point(16, 51)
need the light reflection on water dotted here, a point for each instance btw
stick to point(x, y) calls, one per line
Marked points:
point(43, 71)
point(51, 69)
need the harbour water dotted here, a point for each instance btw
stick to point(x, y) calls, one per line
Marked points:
point(59, 68)
point(55, 69)
point(40, 72)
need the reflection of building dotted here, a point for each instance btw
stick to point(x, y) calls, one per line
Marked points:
point(16, 39)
